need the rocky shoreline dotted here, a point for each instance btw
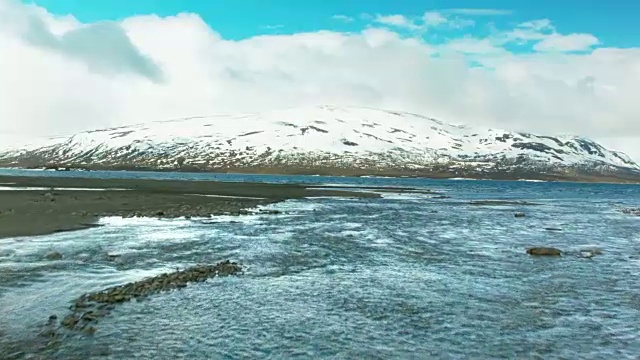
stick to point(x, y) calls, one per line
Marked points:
point(88, 309)
point(45, 205)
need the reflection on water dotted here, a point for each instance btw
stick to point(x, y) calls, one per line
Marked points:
point(405, 276)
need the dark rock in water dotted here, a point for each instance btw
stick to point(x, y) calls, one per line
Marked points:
point(118, 298)
point(90, 316)
point(270, 212)
point(631, 211)
point(544, 251)
point(553, 229)
point(112, 257)
point(53, 256)
point(80, 304)
point(48, 332)
point(160, 213)
point(70, 321)
point(520, 215)
point(91, 307)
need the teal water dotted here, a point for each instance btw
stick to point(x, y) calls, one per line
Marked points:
point(404, 276)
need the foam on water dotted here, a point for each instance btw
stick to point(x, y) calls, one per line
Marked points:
point(406, 196)
point(118, 221)
point(298, 206)
point(532, 181)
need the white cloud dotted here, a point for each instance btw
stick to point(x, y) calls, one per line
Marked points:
point(529, 31)
point(343, 18)
point(58, 78)
point(434, 18)
point(460, 23)
point(565, 43)
point(480, 12)
point(468, 45)
point(547, 39)
point(429, 20)
point(74, 41)
point(399, 21)
point(538, 25)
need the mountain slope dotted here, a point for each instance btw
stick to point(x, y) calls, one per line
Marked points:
point(331, 140)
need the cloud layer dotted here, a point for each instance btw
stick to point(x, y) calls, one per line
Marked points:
point(61, 76)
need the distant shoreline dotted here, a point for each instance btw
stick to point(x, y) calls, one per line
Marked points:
point(39, 205)
point(31, 206)
point(358, 173)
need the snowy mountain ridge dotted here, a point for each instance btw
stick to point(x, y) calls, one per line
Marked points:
point(325, 139)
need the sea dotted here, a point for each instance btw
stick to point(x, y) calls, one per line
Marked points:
point(403, 276)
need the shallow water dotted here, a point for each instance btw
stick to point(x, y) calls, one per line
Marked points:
point(404, 276)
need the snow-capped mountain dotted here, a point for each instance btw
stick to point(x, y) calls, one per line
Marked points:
point(330, 140)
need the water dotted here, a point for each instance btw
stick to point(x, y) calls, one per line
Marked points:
point(404, 276)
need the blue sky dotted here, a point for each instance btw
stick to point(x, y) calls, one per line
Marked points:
point(613, 22)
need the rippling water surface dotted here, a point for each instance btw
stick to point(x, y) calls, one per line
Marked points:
point(404, 276)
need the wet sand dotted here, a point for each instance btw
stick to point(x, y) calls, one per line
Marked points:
point(52, 207)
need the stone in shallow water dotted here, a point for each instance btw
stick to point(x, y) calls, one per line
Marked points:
point(89, 308)
point(112, 257)
point(520, 214)
point(70, 321)
point(631, 211)
point(270, 212)
point(53, 256)
point(544, 251)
